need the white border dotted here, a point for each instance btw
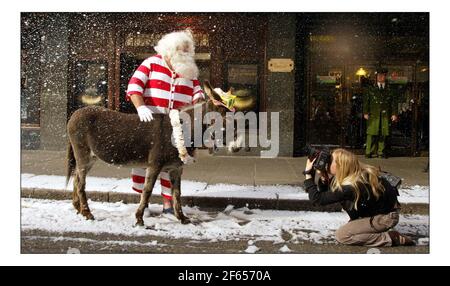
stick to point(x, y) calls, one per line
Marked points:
point(10, 143)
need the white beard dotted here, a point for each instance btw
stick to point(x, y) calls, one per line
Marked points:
point(184, 65)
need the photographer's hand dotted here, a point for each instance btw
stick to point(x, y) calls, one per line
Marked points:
point(308, 167)
point(323, 176)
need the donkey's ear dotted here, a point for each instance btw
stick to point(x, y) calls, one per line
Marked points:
point(210, 91)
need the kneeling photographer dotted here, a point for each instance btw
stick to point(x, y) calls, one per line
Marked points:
point(369, 198)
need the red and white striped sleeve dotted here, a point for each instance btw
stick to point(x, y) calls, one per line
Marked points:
point(198, 92)
point(138, 81)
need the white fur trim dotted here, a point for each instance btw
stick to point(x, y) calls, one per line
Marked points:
point(174, 115)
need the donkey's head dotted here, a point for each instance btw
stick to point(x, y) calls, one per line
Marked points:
point(214, 114)
point(216, 103)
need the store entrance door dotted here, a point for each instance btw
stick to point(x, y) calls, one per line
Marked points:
point(335, 116)
point(325, 112)
point(335, 104)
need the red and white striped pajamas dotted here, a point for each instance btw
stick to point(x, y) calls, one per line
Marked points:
point(162, 90)
point(138, 178)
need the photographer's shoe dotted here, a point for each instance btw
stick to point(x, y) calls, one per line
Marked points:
point(400, 240)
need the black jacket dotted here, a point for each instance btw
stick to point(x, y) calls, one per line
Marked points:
point(368, 205)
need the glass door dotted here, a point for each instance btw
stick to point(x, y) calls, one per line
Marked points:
point(400, 79)
point(325, 112)
point(359, 77)
point(422, 116)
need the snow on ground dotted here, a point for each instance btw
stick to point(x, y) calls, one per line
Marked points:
point(93, 241)
point(252, 249)
point(234, 224)
point(285, 249)
point(414, 194)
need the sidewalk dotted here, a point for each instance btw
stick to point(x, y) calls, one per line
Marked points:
point(216, 181)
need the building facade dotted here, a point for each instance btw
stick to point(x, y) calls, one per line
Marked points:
point(309, 67)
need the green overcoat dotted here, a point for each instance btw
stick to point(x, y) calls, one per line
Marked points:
point(380, 104)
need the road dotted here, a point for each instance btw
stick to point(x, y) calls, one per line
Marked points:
point(37, 241)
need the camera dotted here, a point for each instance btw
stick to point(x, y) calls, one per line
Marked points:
point(322, 156)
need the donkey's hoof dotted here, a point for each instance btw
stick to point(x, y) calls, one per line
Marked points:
point(185, 220)
point(89, 217)
point(76, 207)
point(87, 214)
point(139, 222)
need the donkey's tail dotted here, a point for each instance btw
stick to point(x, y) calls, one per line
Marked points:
point(70, 162)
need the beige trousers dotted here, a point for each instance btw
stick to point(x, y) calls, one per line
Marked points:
point(368, 231)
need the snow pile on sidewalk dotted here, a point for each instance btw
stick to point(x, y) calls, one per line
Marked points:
point(415, 194)
point(234, 224)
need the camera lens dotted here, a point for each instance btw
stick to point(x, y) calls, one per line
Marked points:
point(311, 152)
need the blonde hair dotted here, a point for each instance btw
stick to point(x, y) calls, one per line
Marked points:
point(350, 172)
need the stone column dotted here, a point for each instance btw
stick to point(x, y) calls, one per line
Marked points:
point(281, 85)
point(54, 68)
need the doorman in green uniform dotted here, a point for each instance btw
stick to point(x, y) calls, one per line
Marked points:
point(379, 107)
